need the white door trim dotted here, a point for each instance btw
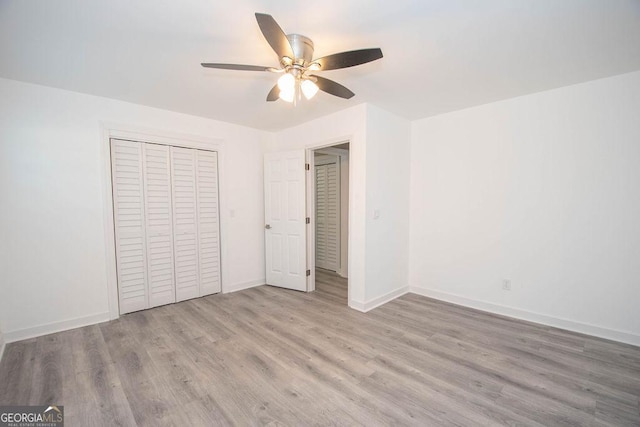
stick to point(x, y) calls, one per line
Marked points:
point(110, 130)
point(333, 151)
point(311, 207)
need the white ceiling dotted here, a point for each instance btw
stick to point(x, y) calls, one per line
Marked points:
point(440, 55)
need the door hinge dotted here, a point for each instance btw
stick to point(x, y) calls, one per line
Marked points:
point(308, 220)
point(308, 272)
point(306, 166)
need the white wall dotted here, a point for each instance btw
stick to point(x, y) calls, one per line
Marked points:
point(52, 249)
point(542, 190)
point(346, 125)
point(387, 245)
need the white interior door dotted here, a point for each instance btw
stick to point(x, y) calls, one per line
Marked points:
point(285, 228)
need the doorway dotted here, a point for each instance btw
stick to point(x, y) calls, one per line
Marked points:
point(330, 219)
point(290, 189)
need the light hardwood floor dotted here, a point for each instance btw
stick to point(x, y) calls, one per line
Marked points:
point(272, 356)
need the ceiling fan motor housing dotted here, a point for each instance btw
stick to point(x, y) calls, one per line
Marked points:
point(302, 48)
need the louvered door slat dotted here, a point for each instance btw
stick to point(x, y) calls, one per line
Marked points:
point(185, 222)
point(159, 228)
point(208, 222)
point(129, 222)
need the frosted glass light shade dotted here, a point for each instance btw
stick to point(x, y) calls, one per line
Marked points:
point(286, 83)
point(309, 89)
point(287, 94)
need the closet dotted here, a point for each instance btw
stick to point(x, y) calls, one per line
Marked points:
point(165, 203)
point(327, 212)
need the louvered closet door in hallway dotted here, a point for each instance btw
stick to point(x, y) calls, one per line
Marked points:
point(327, 216)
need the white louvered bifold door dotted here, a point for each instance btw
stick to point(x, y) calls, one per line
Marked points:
point(129, 222)
point(167, 228)
point(327, 217)
point(185, 223)
point(208, 221)
point(159, 225)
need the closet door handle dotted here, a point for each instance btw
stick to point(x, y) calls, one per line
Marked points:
point(268, 227)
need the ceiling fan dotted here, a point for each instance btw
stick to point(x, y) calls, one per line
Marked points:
point(295, 53)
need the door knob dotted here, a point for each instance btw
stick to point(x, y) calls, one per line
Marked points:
point(268, 227)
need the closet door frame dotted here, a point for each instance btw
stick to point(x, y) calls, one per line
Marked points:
point(108, 131)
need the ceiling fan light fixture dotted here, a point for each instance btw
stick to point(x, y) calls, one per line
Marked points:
point(286, 83)
point(309, 88)
point(296, 61)
point(287, 95)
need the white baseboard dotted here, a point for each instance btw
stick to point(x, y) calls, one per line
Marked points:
point(570, 325)
point(597, 331)
point(357, 305)
point(241, 286)
point(50, 328)
point(378, 301)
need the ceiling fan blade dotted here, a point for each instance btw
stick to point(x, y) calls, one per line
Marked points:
point(333, 88)
point(348, 59)
point(274, 94)
point(274, 35)
point(237, 67)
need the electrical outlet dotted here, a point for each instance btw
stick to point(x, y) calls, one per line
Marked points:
point(506, 284)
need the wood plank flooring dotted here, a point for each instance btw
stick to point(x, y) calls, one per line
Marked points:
point(268, 356)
